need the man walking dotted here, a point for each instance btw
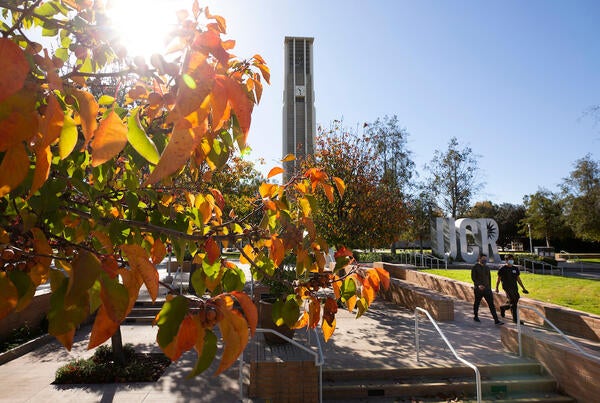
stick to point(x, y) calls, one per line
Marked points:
point(509, 276)
point(480, 274)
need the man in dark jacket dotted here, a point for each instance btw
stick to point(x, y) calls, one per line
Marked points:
point(480, 274)
point(509, 276)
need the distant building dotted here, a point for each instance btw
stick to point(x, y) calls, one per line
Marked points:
point(299, 125)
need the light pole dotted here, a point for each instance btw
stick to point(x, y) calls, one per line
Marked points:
point(530, 242)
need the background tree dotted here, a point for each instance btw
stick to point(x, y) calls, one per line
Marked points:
point(421, 210)
point(581, 198)
point(392, 154)
point(483, 209)
point(454, 178)
point(543, 213)
point(370, 213)
point(508, 217)
point(92, 184)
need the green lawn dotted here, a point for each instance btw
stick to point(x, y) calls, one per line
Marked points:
point(575, 293)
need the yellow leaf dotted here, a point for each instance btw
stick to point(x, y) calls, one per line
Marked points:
point(274, 171)
point(340, 185)
point(305, 206)
point(288, 158)
point(68, 137)
point(139, 261)
point(351, 303)
point(51, 123)
point(248, 251)
point(13, 169)
point(328, 329)
point(109, 139)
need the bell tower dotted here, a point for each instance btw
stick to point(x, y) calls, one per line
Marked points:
point(299, 125)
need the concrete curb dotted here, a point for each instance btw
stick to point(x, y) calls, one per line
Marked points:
point(25, 348)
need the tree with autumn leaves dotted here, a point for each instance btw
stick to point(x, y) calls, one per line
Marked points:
point(91, 188)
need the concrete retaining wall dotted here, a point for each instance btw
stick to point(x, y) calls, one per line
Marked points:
point(577, 375)
point(570, 321)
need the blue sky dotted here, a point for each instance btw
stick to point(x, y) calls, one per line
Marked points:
point(510, 79)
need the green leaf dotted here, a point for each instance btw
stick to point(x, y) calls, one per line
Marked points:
point(348, 289)
point(208, 354)
point(106, 100)
point(62, 54)
point(169, 319)
point(68, 137)
point(61, 318)
point(198, 282)
point(362, 306)
point(139, 140)
point(25, 288)
point(115, 298)
point(234, 280)
point(290, 311)
point(211, 270)
point(189, 81)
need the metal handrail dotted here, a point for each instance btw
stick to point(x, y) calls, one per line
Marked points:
point(541, 315)
point(467, 363)
point(319, 358)
point(544, 264)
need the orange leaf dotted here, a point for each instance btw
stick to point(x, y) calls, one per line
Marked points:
point(9, 295)
point(13, 169)
point(158, 251)
point(109, 139)
point(42, 248)
point(181, 145)
point(184, 340)
point(384, 277)
point(132, 280)
point(314, 312)
point(274, 171)
point(66, 339)
point(351, 303)
point(51, 123)
point(336, 287)
point(104, 239)
point(340, 185)
point(88, 110)
point(249, 309)
point(328, 191)
point(241, 104)
point(277, 251)
point(139, 261)
point(14, 68)
point(220, 106)
point(104, 327)
point(16, 128)
point(302, 322)
point(368, 293)
point(213, 251)
point(234, 331)
point(328, 329)
point(288, 158)
point(341, 252)
point(43, 159)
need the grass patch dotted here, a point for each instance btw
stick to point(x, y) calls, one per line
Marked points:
point(101, 368)
point(574, 293)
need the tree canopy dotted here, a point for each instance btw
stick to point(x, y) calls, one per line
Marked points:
point(454, 178)
point(99, 156)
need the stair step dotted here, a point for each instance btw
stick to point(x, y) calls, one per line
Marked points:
point(410, 372)
point(513, 398)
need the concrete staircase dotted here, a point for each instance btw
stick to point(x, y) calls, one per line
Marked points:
point(523, 382)
point(144, 311)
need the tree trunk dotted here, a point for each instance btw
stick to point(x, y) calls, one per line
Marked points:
point(117, 347)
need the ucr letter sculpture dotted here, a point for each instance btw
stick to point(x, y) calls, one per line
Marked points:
point(449, 238)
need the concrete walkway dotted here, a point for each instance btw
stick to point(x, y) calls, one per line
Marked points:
point(382, 338)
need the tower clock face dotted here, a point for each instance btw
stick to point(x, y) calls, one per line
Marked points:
point(300, 91)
